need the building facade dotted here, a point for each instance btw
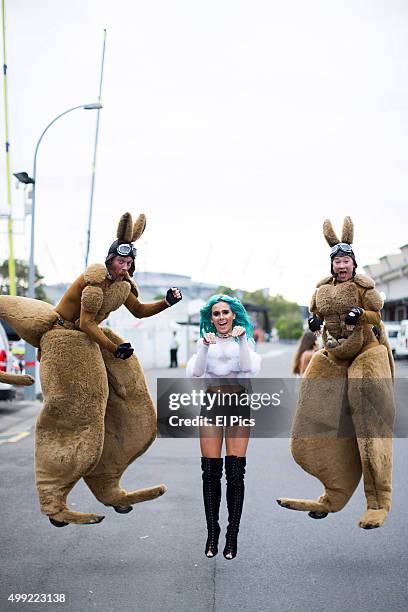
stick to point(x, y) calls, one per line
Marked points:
point(390, 274)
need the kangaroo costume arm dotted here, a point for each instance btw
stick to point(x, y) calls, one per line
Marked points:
point(140, 310)
point(313, 307)
point(88, 325)
point(371, 300)
point(91, 302)
point(371, 317)
point(83, 301)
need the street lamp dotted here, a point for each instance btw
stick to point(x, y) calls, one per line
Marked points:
point(24, 178)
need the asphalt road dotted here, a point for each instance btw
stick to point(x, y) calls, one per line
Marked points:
point(153, 558)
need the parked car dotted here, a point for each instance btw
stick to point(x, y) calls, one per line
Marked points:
point(392, 328)
point(6, 365)
point(401, 348)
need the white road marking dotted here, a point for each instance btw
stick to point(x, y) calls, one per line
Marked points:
point(272, 353)
point(14, 438)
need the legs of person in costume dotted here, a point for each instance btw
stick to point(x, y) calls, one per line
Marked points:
point(130, 428)
point(372, 408)
point(70, 427)
point(316, 444)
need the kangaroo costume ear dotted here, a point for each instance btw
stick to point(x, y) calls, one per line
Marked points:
point(348, 231)
point(126, 234)
point(124, 231)
point(139, 227)
point(329, 233)
point(345, 246)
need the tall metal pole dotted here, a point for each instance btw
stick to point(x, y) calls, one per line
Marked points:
point(88, 241)
point(11, 266)
point(30, 350)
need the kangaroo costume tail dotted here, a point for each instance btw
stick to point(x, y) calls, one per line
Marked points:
point(30, 318)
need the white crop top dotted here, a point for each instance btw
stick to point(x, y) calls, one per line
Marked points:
point(225, 358)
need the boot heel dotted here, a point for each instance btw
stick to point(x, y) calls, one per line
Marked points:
point(231, 546)
point(211, 547)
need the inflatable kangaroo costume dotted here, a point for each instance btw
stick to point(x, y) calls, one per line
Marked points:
point(98, 415)
point(348, 381)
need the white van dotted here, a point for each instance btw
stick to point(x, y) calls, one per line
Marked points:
point(401, 348)
point(392, 328)
point(6, 360)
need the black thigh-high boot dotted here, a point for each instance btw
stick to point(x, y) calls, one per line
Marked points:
point(235, 472)
point(212, 473)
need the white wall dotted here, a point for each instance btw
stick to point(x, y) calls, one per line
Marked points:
point(151, 336)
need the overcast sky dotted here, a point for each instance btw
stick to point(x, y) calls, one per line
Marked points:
point(235, 126)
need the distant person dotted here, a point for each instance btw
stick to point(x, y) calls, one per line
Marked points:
point(174, 345)
point(259, 335)
point(306, 349)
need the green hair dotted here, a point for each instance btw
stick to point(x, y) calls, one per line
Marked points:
point(241, 315)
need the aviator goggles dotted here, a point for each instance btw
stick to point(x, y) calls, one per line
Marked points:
point(341, 246)
point(126, 249)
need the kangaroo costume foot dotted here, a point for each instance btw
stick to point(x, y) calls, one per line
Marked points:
point(141, 495)
point(372, 519)
point(77, 518)
point(23, 380)
point(124, 501)
point(304, 505)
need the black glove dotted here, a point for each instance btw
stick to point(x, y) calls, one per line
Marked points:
point(170, 298)
point(353, 316)
point(124, 351)
point(314, 323)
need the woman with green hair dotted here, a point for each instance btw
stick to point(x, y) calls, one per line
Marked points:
point(225, 350)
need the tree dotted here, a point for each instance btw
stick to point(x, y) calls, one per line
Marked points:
point(224, 291)
point(289, 326)
point(276, 305)
point(284, 312)
point(21, 270)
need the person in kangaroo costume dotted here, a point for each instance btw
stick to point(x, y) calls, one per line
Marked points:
point(98, 415)
point(349, 381)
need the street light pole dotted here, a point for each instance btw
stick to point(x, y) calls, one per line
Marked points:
point(88, 237)
point(30, 350)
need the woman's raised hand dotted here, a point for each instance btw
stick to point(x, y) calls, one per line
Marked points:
point(209, 338)
point(237, 331)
